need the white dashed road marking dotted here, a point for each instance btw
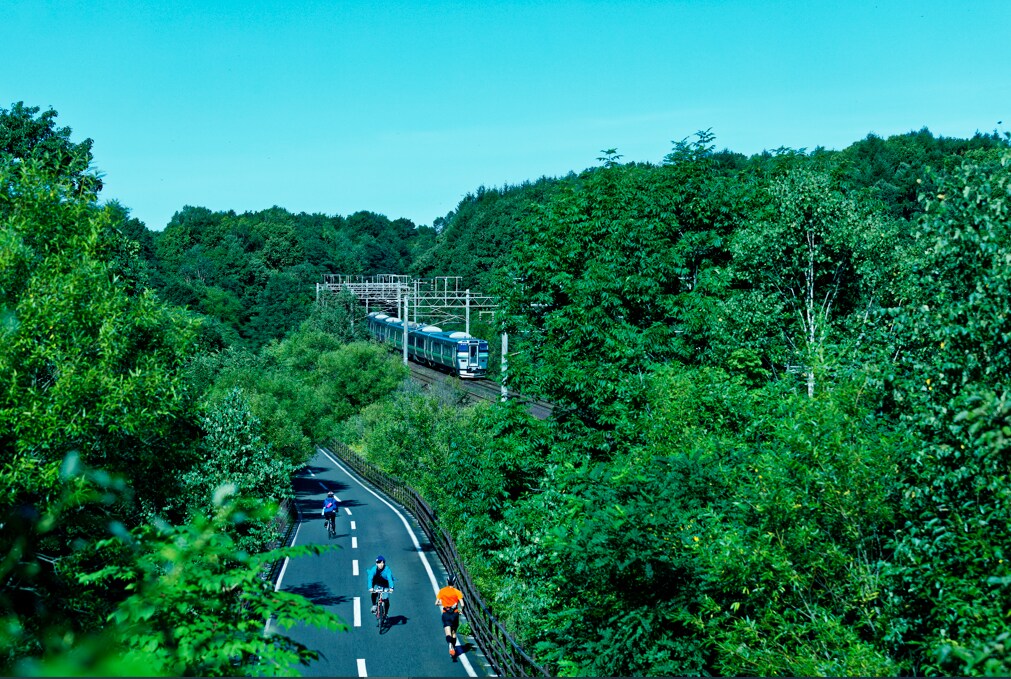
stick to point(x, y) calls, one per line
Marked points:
point(417, 548)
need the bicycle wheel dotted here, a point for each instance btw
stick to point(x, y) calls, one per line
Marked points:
point(381, 614)
point(331, 529)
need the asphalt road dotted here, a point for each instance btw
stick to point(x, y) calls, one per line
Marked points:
point(369, 524)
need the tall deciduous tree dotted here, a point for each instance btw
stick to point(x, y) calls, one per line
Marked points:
point(89, 369)
point(191, 602)
point(802, 252)
point(86, 363)
point(235, 452)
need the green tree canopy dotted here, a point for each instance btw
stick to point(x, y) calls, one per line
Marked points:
point(27, 135)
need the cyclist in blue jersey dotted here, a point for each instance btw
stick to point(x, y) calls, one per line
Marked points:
point(379, 575)
point(329, 509)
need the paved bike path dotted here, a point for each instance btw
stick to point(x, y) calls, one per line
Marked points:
point(369, 524)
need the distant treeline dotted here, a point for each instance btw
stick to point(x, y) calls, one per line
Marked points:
point(253, 273)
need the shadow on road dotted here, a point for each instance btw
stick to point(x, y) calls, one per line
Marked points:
point(309, 494)
point(394, 621)
point(350, 503)
point(318, 593)
point(307, 485)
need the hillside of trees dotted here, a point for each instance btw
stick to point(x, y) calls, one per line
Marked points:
point(253, 275)
point(780, 443)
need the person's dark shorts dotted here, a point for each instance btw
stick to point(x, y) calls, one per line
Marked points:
point(451, 619)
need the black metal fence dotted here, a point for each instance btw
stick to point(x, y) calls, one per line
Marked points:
point(504, 654)
point(284, 523)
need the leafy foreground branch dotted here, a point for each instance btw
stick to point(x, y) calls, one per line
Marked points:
point(196, 604)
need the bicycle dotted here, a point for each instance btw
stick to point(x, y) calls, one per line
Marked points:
point(384, 594)
point(331, 526)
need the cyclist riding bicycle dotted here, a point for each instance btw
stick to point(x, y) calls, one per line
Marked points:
point(379, 576)
point(451, 601)
point(329, 509)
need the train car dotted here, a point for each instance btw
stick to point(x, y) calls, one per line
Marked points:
point(462, 354)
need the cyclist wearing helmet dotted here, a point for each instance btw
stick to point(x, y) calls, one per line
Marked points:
point(379, 575)
point(329, 508)
point(451, 601)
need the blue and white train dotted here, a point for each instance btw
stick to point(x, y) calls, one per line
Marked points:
point(464, 355)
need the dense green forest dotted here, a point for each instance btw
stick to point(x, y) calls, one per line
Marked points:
point(781, 432)
point(253, 275)
point(780, 442)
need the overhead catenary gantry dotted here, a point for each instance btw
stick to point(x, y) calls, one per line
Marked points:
point(440, 300)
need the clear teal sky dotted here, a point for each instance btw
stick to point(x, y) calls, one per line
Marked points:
point(402, 108)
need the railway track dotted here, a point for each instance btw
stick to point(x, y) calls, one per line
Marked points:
point(471, 391)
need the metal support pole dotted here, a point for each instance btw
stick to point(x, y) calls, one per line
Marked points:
point(467, 326)
point(417, 298)
point(505, 364)
point(405, 330)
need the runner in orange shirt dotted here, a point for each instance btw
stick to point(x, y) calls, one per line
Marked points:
point(451, 601)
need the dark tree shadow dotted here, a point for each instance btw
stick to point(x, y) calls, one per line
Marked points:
point(309, 494)
point(349, 503)
point(318, 593)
